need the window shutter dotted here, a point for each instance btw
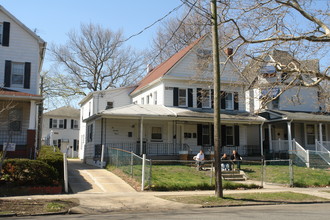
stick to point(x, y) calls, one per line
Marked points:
point(212, 98)
point(223, 100)
point(71, 123)
point(27, 75)
point(236, 130)
point(175, 96)
point(199, 98)
point(212, 135)
point(235, 100)
point(6, 31)
point(50, 123)
point(64, 123)
point(199, 134)
point(7, 73)
point(190, 97)
point(223, 135)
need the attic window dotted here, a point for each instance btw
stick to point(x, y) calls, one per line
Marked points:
point(268, 71)
point(109, 105)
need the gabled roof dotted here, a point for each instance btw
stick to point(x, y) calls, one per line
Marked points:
point(91, 94)
point(21, 25)
point(251, 71)
point(163, 68)
point(65, 111)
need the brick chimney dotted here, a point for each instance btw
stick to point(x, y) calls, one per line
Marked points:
point(229, 51)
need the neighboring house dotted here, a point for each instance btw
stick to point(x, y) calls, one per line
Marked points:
point(21, 58)
point(96, 102)
point(172, 110)
point(60, 127)
point(295, 113)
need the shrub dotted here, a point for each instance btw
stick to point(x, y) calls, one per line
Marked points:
point(54, 159)
point(25, 172)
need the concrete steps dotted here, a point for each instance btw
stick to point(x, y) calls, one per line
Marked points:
point(315, 161)
point(233, 175)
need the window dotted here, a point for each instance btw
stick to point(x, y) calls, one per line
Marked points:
point(310, 129)
point(17, 74)
point(89, 108)
point(61, 123)
point(155, 98)
point(229, 101)
point(156, 133)
point(230, 135)
point(203, 98)
point(74, 124)
point(109, 105)
point(182, 97)
point(90, 133)
point(15, 120)
point(142, 101)
point(54, 124)
point(206, 134)
point(148, 100)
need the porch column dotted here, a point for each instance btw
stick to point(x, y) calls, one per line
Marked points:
point(321, 132)
point(33, 114)
point(141, 136)
point(261, 140)
point(270, 137)
point(289, 136)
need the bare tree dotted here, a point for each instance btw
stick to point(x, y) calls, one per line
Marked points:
point(93, 59)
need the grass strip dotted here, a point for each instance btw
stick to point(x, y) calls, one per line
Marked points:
point(247, 199)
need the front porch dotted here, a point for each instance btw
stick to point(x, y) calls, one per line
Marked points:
point(172, 132)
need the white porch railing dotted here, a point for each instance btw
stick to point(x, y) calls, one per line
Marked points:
point(280, 145)
point(322, 151)
point(300, 152)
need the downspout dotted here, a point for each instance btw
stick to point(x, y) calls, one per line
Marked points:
point(141, 136)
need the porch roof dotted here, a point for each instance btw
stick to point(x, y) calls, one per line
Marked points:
point(136, 111)
point(277, 115)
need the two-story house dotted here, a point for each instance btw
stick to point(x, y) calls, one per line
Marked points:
point(21, 57)
point(172, 110)
point(295, 114)
point(60, 128)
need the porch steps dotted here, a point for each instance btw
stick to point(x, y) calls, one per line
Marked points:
point(315, 161)
point(233, 175)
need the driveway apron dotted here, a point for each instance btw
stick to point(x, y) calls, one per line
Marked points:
point(85, 178)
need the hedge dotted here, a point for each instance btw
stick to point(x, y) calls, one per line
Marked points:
point(25, 172)
point(54, 159)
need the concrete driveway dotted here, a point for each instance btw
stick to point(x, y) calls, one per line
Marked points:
point(85, 178)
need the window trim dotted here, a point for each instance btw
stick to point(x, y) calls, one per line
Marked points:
point(156, 139)
point(12, 74)
point(185, 97)
point(209, 95)
point(229, 100)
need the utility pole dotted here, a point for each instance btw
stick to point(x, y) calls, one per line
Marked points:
point(217, 126)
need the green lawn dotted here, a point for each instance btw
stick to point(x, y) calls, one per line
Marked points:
point(180, 177)
point(246, 199)
point(303, 177)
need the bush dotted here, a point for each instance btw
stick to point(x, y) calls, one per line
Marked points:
point(25, 172)
point(54, 159)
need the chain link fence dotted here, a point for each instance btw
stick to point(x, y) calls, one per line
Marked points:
point(130, 164)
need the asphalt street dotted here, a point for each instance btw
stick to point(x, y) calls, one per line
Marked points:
point(271, 212)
